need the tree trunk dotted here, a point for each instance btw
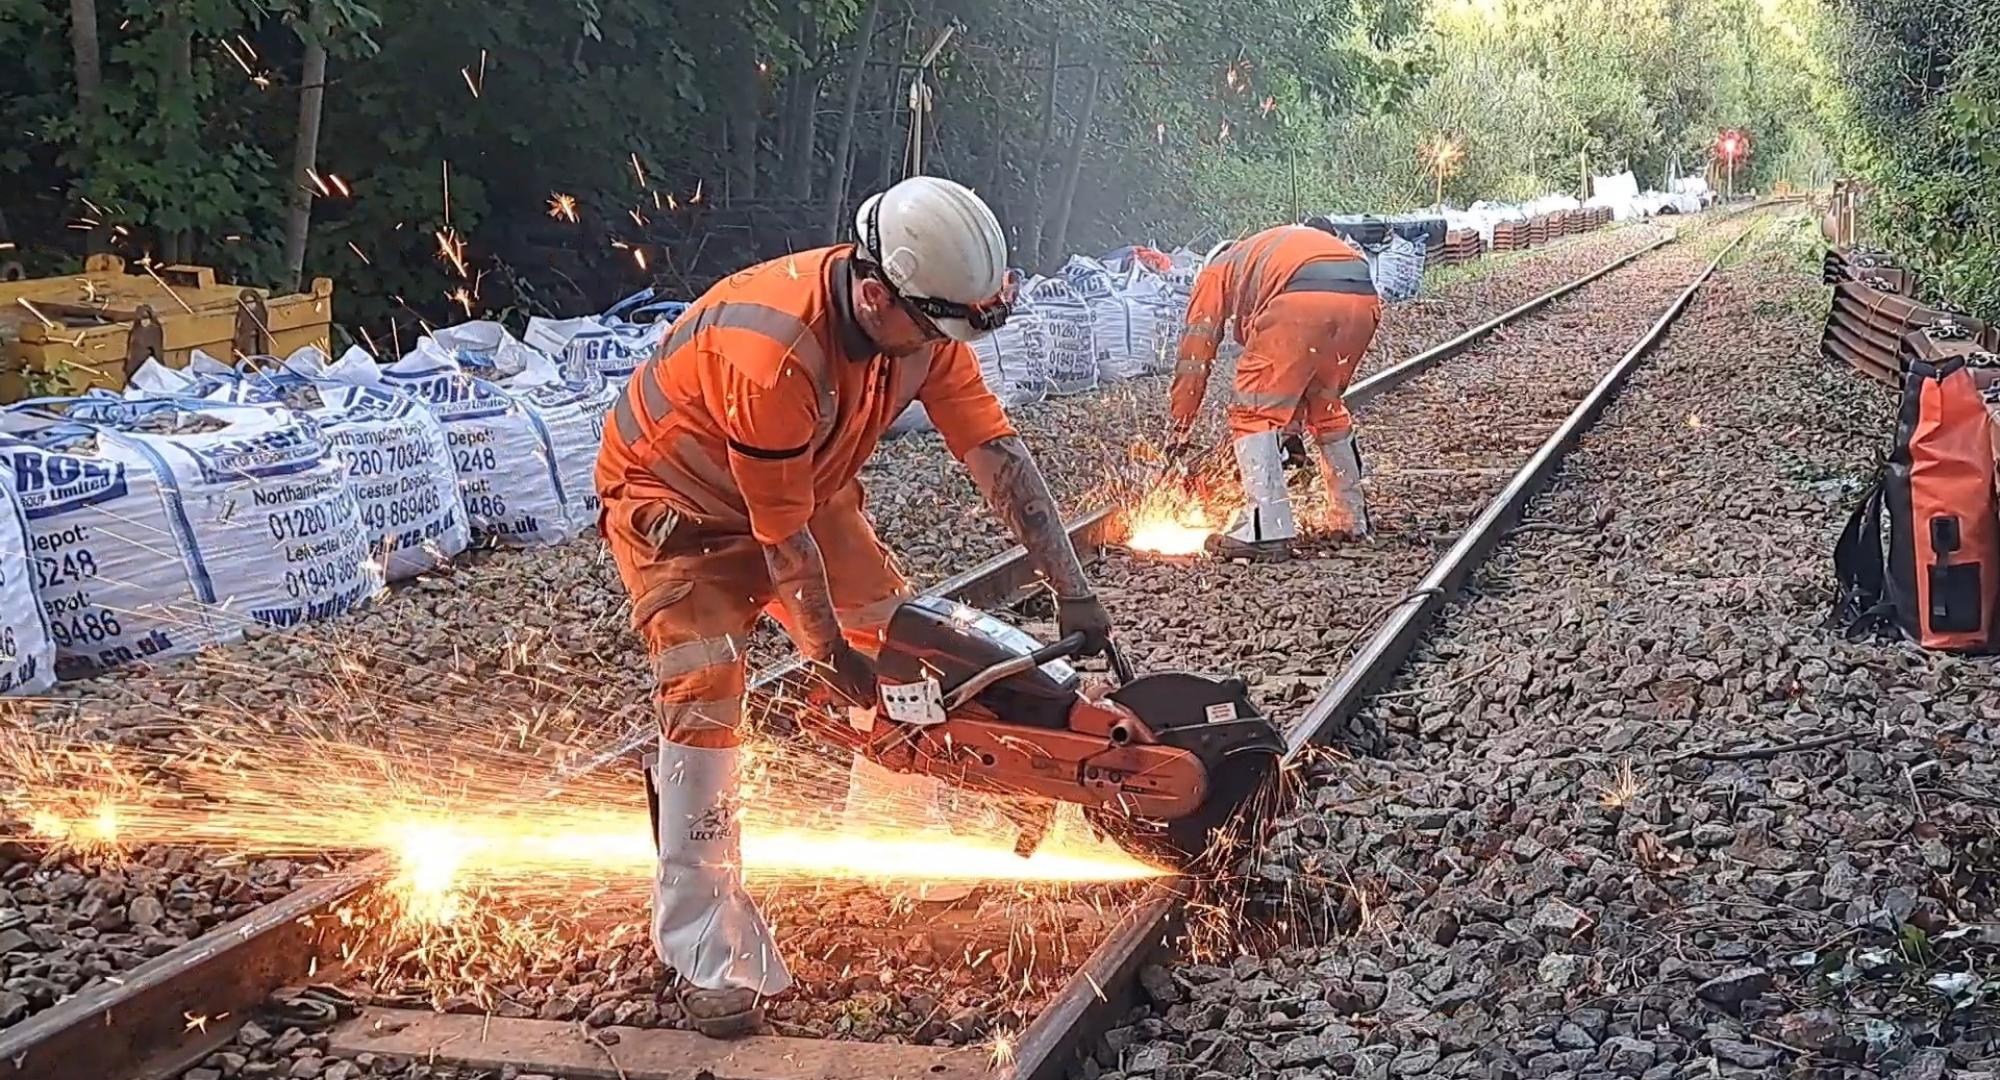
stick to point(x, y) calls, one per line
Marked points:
point(89, 64)
point(895, 140)
point(305, 150)
point(178, 85)
point(1032, 173)
point(843, 145)
point(89, 80)
point(1072, 169)
point(800, 141)
point(744, 111)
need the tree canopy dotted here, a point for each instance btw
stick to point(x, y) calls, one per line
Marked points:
point(545, 155)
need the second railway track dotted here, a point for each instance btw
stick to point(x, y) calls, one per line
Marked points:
point(1446, 441)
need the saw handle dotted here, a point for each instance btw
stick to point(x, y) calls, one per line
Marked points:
point(1072, 645)
point(1006, 669)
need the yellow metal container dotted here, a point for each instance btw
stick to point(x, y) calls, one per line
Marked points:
point(64, 335)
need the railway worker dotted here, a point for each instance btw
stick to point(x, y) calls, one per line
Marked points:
point(1305, 309)
point(729, 478)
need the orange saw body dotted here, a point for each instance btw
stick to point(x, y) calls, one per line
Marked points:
point(1156, 763)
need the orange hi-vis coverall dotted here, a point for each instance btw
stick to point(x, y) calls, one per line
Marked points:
point(753, 421)
point(1305, 308)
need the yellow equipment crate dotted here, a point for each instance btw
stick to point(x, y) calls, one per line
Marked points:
point(64, 335)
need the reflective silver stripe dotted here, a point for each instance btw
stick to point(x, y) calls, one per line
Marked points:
point(693, 656)
point(1330, 270)
point(1204, 332)
point(689, 460)
point(1344, 288)
point(786, 330)
point(623, 419)
point(1255, 274)
point(1249, 399)
point(653, 395)
point(1189, 367)
point(698, 715)
point(872, 616)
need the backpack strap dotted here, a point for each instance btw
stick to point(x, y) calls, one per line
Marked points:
point(1860, 608)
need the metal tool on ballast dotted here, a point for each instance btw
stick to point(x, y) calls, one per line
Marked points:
point(1157, 763)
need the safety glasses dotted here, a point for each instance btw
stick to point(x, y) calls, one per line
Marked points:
point(984, 317)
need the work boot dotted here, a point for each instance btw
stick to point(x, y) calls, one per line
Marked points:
point(729, 1013)
point(1340, 467)
point(1264, 528)
point(705, 926)
point(1224, 546)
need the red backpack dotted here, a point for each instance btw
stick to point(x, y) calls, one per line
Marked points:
point(1940, 584)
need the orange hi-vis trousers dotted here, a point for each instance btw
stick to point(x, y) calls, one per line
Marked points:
point(711, 586)
point(1298, 357)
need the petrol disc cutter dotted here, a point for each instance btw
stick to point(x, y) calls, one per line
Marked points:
point(1156, 764)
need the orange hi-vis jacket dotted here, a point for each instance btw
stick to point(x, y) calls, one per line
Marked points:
point(767, 398)
point(1242, 282)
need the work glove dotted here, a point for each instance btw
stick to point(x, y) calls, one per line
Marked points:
point(1084, 615)
point(852, 675)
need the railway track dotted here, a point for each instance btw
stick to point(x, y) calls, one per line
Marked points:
point(174, 1010)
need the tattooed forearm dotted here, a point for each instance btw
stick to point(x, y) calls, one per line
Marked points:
point(799, 576)
point(1014, 488)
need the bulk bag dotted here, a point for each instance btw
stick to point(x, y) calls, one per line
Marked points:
point(1091, 279)
point(161, 527)
point(1940, 583)
point(1397, 267)
point(571, 413)
point(613, 344)
point(397, 457)
point(509, 481)
point(1127, 335)
point(1071, 333)
point(1014, 360)
point(27, 651)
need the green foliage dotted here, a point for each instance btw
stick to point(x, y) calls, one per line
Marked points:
point(1922, 82)
point(1212, 117)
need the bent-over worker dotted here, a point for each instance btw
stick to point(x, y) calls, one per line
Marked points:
point(1305, 309)
point(729, 476)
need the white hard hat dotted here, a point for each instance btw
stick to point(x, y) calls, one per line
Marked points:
point(941, 249)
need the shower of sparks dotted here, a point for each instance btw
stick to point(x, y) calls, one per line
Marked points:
point(1170, 520)
point(638, 170)
point(1171, 512)
point(360, 254)
point(479, 83)
point(240, 62)
point(461, 296)
point(696, 197)
point(639, 256)
point(339, 185)
point(562, 206)
point(454, 809)
point(452, 249)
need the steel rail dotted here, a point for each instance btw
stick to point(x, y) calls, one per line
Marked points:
point(1064, 1028)
point(168, 1013)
